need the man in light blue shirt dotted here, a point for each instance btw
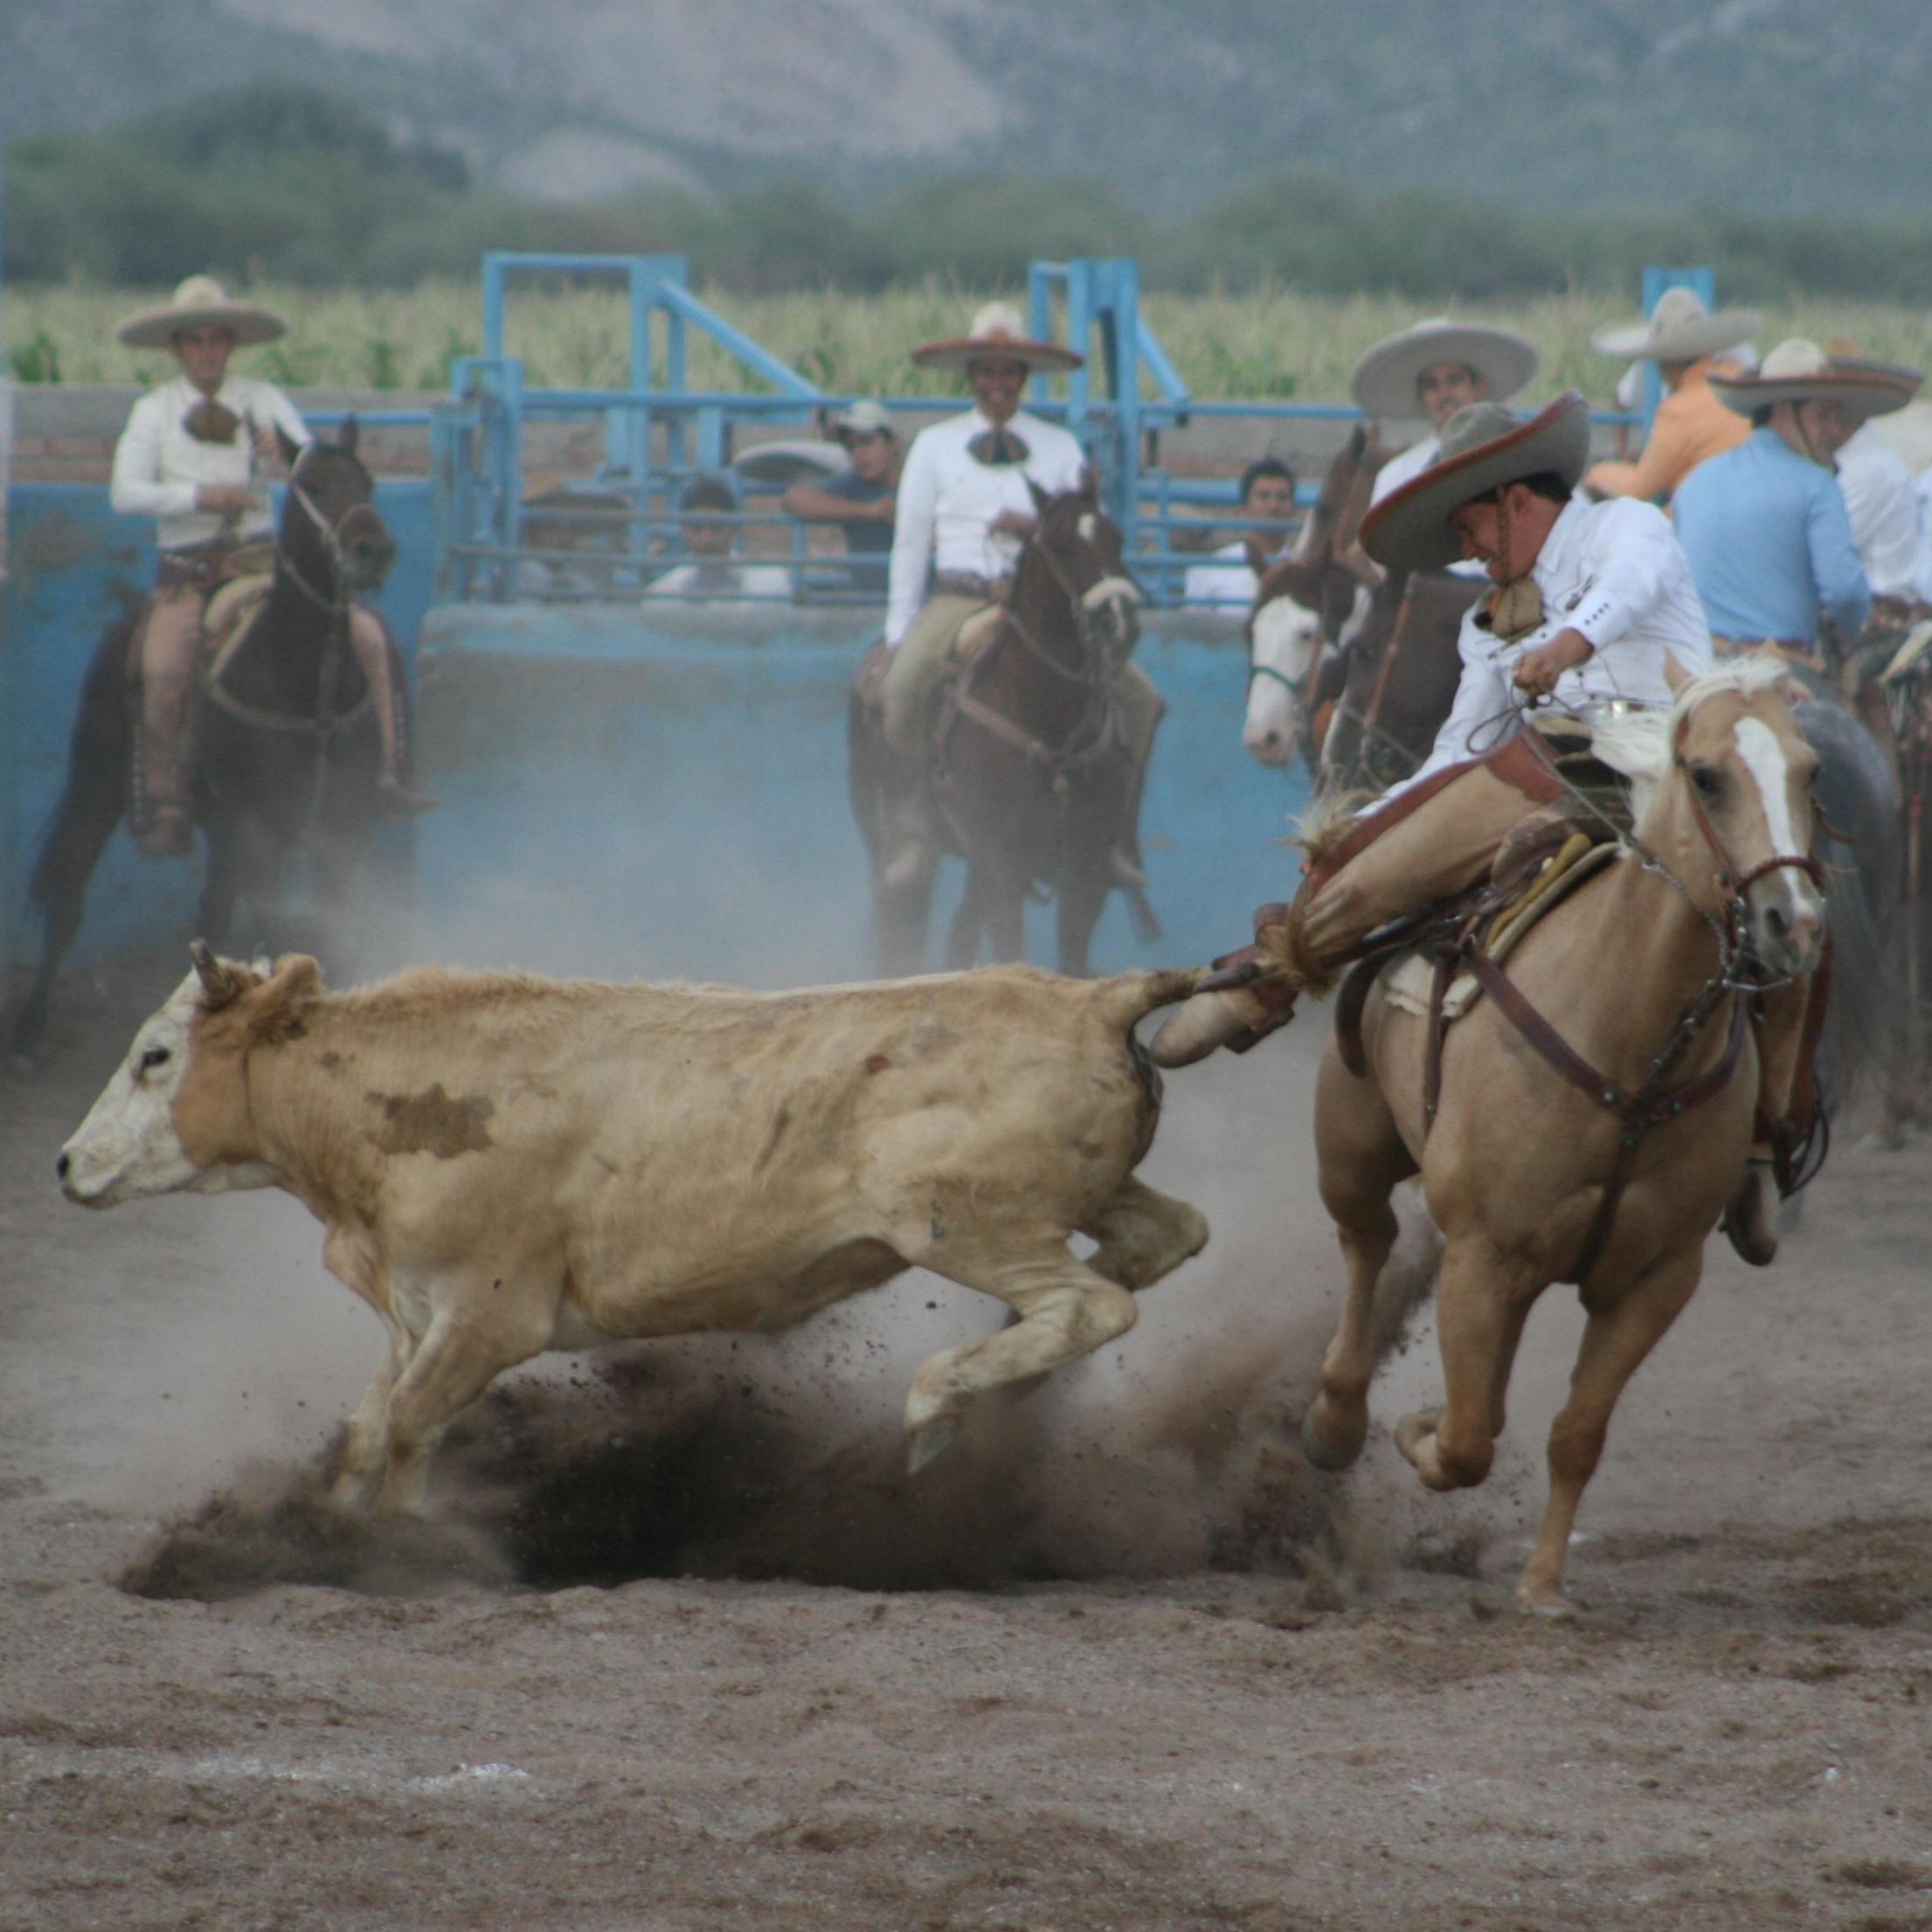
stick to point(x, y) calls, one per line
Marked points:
point(1765, 525)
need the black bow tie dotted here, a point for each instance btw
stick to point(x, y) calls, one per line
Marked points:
point(998, 448)
point(210, 422)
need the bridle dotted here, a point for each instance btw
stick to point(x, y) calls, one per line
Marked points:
point(339, 596)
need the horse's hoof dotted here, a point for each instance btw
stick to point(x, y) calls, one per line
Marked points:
point(1544, 1600)
point(1323, 1454)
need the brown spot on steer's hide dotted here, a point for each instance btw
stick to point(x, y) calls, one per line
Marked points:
point(780, 1121)
point(876, 1062)
point(433, 1123)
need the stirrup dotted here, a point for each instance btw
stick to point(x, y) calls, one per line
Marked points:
point(394, 800)
point(168, 832)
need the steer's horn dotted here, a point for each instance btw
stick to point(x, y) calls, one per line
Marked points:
point(217, 981)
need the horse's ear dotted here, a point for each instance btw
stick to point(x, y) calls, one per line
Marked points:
point(1674, 674)
point(345, 437)
point(1040, 497)
point(1257, 557)
point(1090, 484)
point(291, 450)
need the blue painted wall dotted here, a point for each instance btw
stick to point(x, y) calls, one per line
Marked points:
point(626, 791)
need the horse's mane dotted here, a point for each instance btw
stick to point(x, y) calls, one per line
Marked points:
point(1640, 744)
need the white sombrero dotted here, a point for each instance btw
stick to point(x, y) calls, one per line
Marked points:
point(1800, 372)
point(1483, 447)
point(998, 333)
point(201, 303)
point(1384, 380)
point(1680, 329)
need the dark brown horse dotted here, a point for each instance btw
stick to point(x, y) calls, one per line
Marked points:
point(1030, 779)
point(287, 746)
point(1367, 714)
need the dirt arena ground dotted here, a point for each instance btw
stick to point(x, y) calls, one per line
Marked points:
point(687, 1652)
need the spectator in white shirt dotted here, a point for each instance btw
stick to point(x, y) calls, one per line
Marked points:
point(1233, 575)
point(189, 457)
point(704, 510)
point(965, 506)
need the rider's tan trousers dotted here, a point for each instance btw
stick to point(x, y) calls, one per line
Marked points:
point(920, 665)
point(170, 649)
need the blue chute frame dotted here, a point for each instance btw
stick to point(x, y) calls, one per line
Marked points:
point(658, 430)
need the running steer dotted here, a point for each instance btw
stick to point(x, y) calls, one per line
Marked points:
point(506, 1164)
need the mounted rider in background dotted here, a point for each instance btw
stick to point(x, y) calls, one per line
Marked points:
point(189, 457)
point(1431, 371)
point(965, 506)
point(1687, 343)
point(1765, 525)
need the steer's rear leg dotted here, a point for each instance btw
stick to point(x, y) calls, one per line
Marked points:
point(1143, 1234)
point(1066, 1310)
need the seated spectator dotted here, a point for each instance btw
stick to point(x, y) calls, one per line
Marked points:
point(582, 529)
point(715, 572)
point(862, 497)
point(1233, 575)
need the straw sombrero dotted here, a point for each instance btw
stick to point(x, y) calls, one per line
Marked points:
point(1483, 447)
point(201, 303)
point(1680, 329)
point(997, 332)
point(1800, 372)
point(1384, 380)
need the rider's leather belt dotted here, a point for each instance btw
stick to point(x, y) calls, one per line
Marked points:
point(964, 583)
point(204, 566)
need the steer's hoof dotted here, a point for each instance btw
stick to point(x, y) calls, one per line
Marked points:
point(928, 1440)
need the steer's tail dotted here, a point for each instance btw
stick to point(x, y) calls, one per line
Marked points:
point(1132, 996)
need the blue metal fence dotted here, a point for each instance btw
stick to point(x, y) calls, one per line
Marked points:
point(658, 432)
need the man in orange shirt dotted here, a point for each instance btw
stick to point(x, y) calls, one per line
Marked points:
point(1686, 342)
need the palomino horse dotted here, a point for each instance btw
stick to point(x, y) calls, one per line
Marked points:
point(1594, 1110)
point(288, 747)
point(1030, 778)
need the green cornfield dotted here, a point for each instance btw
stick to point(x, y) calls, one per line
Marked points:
point(1275, 344)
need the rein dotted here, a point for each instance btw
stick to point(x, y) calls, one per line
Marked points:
point(1656, 1101)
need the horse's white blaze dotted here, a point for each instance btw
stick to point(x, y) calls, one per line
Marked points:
point(1764, 759)
point(1285, 640)
point(127, 1147)
point(1087, 526)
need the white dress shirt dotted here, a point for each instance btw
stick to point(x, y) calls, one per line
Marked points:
point(1885, 511)
point(1612, 571)
point(1921, 576)
point(723, 576)
point(948, 499)
point(1405, 468)
point(158, 466)
point(1228, 580)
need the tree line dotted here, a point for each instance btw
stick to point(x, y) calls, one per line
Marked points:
point(289, 183)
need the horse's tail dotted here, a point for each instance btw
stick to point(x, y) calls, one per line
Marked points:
point(1864, 870)
point(1129, 997)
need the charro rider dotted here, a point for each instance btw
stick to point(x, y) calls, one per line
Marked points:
point(1433, 370)
point(1687, 343)
point(965, 506)
point(1765, 525)
point(189, 457)
point(1881, 499)
point(1591, 602)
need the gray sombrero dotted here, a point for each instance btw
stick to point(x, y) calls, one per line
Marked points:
point(1483, 447)
point(1384, 380)
point(201, 303)
point(1680, 329)
point(1800, 372)
point(997, 334)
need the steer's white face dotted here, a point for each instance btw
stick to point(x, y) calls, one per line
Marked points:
point(127, 1145)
